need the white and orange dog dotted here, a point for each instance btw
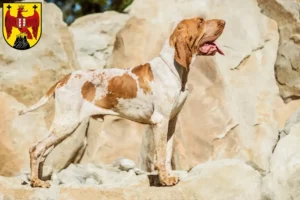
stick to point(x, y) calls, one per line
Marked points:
point(151, 93)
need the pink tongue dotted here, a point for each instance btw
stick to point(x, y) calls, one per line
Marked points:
point(219, 50)
point(211, 46)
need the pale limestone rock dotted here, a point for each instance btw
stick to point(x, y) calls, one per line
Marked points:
point(105, 175)
point(168, 10)
point(283, 112)
point(283, 181)
point(294, 119)
point(287, 66)
point(248, 73)
point(18, 133)
point(112, 139)
point(94, 37)
point(138, 41)
point(25, 76)
point(217, 180)
point(225, 179)
point(124, 164)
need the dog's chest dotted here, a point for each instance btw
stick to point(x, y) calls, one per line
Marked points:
point(179, 102)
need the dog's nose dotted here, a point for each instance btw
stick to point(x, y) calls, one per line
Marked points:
point(222, 22)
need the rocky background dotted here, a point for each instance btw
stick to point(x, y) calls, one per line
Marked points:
point(238, 134)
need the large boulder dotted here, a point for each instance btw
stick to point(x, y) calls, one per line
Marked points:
point(283, 182)
point(94, 37)
point(248, 72)
point(18, 133)
point(230, 110)
point(25, 76)
point(137, 42)
point(168, 10)
point(287, 66)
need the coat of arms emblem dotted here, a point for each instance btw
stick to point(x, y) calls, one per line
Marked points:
point(21, 24)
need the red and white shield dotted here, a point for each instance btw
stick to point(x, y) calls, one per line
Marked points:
point(21, 22)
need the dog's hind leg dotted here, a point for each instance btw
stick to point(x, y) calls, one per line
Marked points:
point(45, 146)
point(66, 120)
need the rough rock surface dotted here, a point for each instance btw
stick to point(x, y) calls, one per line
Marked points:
point(283, 182)
point(112, 139)
point(233, 111)
point(16, 135)
point(218, 180)
point(24, 77)
point(94, 37)
point(89, 174)
point(287, 67)
point(124, 164)
point(132, 49)
point(229, 112)
point(247, 66)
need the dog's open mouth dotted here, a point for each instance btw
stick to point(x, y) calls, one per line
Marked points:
point(210, 48)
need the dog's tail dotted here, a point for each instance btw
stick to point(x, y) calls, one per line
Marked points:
point(42, 101)
point(46, 97)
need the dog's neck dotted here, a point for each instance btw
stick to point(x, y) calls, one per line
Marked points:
point(167, 55)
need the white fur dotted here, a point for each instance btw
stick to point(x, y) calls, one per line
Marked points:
point(155, 107)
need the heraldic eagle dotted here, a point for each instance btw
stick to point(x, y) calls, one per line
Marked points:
point(22, 23)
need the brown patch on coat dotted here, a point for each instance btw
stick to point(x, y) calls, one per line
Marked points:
point(145, 75)
point(58, 84)
point(88, 91)
point(78, 76)
point(124, 87)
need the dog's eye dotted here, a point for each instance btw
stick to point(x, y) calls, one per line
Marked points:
point(200, 21)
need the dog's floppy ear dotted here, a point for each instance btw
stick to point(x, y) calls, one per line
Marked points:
point(183, 54)
point(175, 23)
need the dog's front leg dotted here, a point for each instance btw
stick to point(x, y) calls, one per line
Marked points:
point(160, 132)
point(170, 140)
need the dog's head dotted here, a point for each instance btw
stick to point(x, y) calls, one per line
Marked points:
point(196, 36)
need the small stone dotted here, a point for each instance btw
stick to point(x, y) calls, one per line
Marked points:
point(138, 171)
point(55, 179)
point(91, 181)
point(124, 164)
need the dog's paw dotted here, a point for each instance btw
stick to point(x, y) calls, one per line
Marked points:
point(40, 183)
point(169, 181)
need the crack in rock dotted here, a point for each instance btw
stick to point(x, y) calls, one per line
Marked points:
point(248, 55)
